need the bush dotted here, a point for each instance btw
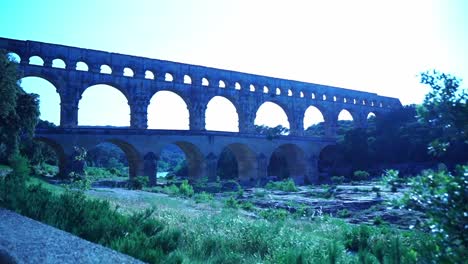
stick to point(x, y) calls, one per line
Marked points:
point(274, 214)
point(231, 203)
point(137, 183)
point(248, 206)
point(344, 213)
point(185, 189)
point(443, 198)
point(360, 175)
point(285, 186)
point(203, 197)
point(337, 179)
point(391, 178)
point(138, 235)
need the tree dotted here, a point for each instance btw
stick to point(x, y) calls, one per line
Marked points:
point(19, 111)
point(445, 110)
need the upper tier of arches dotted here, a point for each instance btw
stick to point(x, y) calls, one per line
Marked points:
point(72, 58)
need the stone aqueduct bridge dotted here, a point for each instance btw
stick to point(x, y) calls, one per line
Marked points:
point(196, 85)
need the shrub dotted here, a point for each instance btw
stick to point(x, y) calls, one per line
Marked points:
point(171, 190)
point(391, 179)
point(203, 197)
point(248, 206)
point(231, 203)
point(344, 213)
point(360, 175)
point(286, 186)
point(137, 183)
point(443, 198)
point(185, 189)
point(274, 214)
point(337, 179)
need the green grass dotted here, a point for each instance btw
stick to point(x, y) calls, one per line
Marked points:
point(56, 189)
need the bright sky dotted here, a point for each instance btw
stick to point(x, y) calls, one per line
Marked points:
point(375, 46)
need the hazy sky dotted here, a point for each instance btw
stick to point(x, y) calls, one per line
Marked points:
point(375, 46)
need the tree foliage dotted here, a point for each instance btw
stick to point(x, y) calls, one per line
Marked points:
point(444, 110)
point(19, 111)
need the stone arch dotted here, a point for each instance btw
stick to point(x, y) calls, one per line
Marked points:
point(105, 69)
point(187, 79)
point(36, 60)
point(13, 56)
point(59, 152)
point(196, 165)
point(221, 84)
point(82, 66)
point(168, 102)
point(246, 163)
point(331, 161)
point(265, 89)
point(128, 72)
point(168, 77)
point(263, 115)
point(59, 63)
point(288, 161)
point(135, 161)
point(345, 114)
point(221, 115)
point(313, 116)
point(149, 75)
point(252, 88)
point(237, 86)
point(205, 82)
point(108, 112)
point(278, 91)
point(49, 96)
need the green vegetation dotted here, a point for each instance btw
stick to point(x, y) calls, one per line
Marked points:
point(443, 197)
point(360, 175)
point(337, 179)
point(285, 186)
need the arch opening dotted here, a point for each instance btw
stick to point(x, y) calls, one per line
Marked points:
point(221, 84)
point(164, 102)
point(288, 161)
point(46, 157)
point(82, 66)
point(149, 75)
point(345, 122)
point(187, 79)
point(301, 94)
point(36, 60)
point(265, 89)
point(271, 115)
point(181, 160)
point(221, 115)
point(105, 69)
point(168, 77)
point(237, 86)
point(290, 93)
point(94, 111)
point(238, 162)
point(128, 72)
point(314, 121)
point(49, 98)
point(278, 91)
point(205, 82)
point(58, 63)
point(252, 88)
point(331, 161)
point(12, 56)
point(110, 160)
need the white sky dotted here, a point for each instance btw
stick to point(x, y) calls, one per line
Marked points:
point(375, 46)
